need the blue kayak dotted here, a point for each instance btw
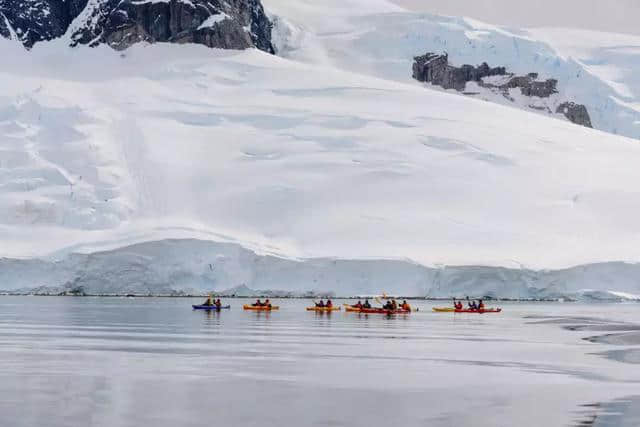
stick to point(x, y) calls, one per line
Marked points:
point(210, 307)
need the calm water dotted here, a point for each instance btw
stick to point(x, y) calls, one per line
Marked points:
point(154, 361)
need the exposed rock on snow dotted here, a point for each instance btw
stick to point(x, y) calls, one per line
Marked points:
point(122, 23)
point(435, 69)
point(576, 113)
point(38, 20)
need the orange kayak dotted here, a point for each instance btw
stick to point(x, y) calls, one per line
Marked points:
point(260, 308)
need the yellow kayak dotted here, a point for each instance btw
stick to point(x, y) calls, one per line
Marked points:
point(350, 308)
point(444, 309)
point(260, 308)
point(323, 309)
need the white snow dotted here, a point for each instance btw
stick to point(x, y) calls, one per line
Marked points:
point(331, 152)
point(383, 43)
point(303, 159)
point(213, 20)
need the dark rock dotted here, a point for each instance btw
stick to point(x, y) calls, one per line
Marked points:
point(435, 69)
point(230, 24)
point(575, 113)
point(38, 20)
point(529, 86)
point(4, 30)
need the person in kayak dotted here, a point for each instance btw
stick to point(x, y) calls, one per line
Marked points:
point(258, 303)
point(473, 305)
point(366, 304)
point(208, 302)
point(267, 303)
point(358, 305)
point(480, 305)
point(329, 304)
point(405, 306)
point(458, 305)
point(218, 304)
point(320, 304)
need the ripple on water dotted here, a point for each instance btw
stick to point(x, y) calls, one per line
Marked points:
point(624, 412)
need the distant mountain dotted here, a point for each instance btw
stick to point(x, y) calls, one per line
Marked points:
point(230, 24)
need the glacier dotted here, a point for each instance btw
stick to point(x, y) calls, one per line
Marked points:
point(176, 266)
point(325, 155)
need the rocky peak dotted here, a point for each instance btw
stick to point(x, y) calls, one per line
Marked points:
point(435, 69)
point(229, 24)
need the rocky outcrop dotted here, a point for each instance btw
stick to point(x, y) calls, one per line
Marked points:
point(38, 20)
point(435, 69)
point(228, 24)
point(575, 113)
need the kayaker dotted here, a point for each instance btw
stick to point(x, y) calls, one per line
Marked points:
point(405, 306)
point(218, 303)
point(394, 305)
point(320, 304)
point(258, 303)
point(366, 304)
point(329, 304)
point(358, 305)
point(459, 305)
point(267, 303)
point(208, 302)
point(472, 305)
point(480, 305)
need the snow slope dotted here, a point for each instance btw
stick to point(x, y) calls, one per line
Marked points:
point(297, 159)
point(382, 42)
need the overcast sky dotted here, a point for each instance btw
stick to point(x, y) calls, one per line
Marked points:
point(603, 15)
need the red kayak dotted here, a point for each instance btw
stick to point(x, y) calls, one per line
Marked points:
point(383, 311)
point(488, 310)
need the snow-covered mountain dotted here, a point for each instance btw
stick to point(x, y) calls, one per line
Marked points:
point(598, 70)
point(329, 150)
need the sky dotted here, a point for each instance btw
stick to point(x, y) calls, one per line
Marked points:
point(622, 16)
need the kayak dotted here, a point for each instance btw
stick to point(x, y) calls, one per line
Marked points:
point(374, 310)
point(383, 311)
point(210, 307)
point(486, 310)
point(323, 309)
point(465, 310)
point(260, 308)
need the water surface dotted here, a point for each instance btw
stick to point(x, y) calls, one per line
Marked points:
point(154, 361)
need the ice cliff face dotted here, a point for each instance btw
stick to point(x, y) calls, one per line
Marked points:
point(232, 24)
point(540, 95)
point(175, 265)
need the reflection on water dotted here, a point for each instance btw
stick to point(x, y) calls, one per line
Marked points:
point(154, 361)
point(623, 412)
